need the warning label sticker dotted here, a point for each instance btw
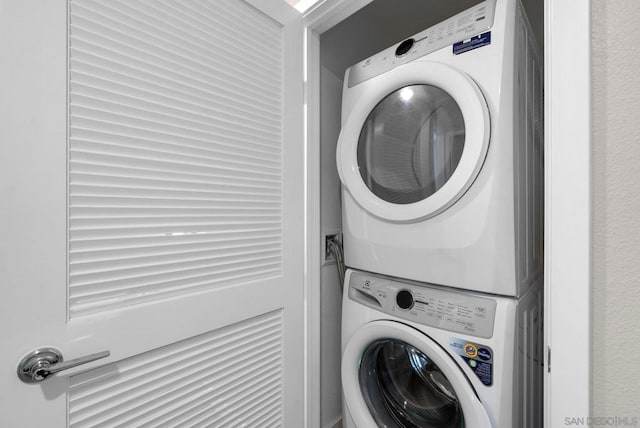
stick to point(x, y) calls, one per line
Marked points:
point(475, 42)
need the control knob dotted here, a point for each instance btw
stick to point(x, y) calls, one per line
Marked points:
point(404, 299)
point(404, 47)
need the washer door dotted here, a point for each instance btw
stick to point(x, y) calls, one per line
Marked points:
point(395, 376)
point(413, 146)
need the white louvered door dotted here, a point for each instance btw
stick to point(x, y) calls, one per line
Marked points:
point(151, 182)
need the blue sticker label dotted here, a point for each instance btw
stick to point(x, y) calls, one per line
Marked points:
point(483, 370)
point(484, 354)
point(475, 42)
point(478, 357)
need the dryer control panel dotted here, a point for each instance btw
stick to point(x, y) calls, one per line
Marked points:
point(456, 311)
point(459, 27)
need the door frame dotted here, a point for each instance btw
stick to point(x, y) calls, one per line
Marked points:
point(567, 57)
point(317, 20)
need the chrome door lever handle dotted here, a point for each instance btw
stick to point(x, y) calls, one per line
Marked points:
point(38, 365)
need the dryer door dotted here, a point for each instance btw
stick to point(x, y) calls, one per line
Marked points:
point(395, 376)
point(413, 146)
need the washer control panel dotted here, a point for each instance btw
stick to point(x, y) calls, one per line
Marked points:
point(459, 27)
point(425, 304)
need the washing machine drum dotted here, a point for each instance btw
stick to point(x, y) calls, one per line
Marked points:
point(415, 142)
point(404, 388)
point(394, 376)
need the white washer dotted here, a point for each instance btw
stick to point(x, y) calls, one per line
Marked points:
point(440, 155)
point(415, 355)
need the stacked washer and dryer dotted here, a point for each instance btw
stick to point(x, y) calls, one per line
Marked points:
point(440, 158)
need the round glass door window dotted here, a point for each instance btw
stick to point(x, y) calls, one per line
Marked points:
point(403, 388)
point(411, 143)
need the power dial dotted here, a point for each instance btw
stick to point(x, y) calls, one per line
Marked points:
point(404, 47)
point(404, 299)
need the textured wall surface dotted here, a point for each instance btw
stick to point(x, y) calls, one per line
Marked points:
point(616, 208)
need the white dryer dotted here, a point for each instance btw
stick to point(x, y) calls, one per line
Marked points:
point(440, 155)
point(421, 356)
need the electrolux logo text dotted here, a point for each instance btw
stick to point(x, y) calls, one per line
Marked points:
point(602, 421)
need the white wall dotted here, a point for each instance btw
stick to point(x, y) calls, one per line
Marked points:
point(616, 208)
